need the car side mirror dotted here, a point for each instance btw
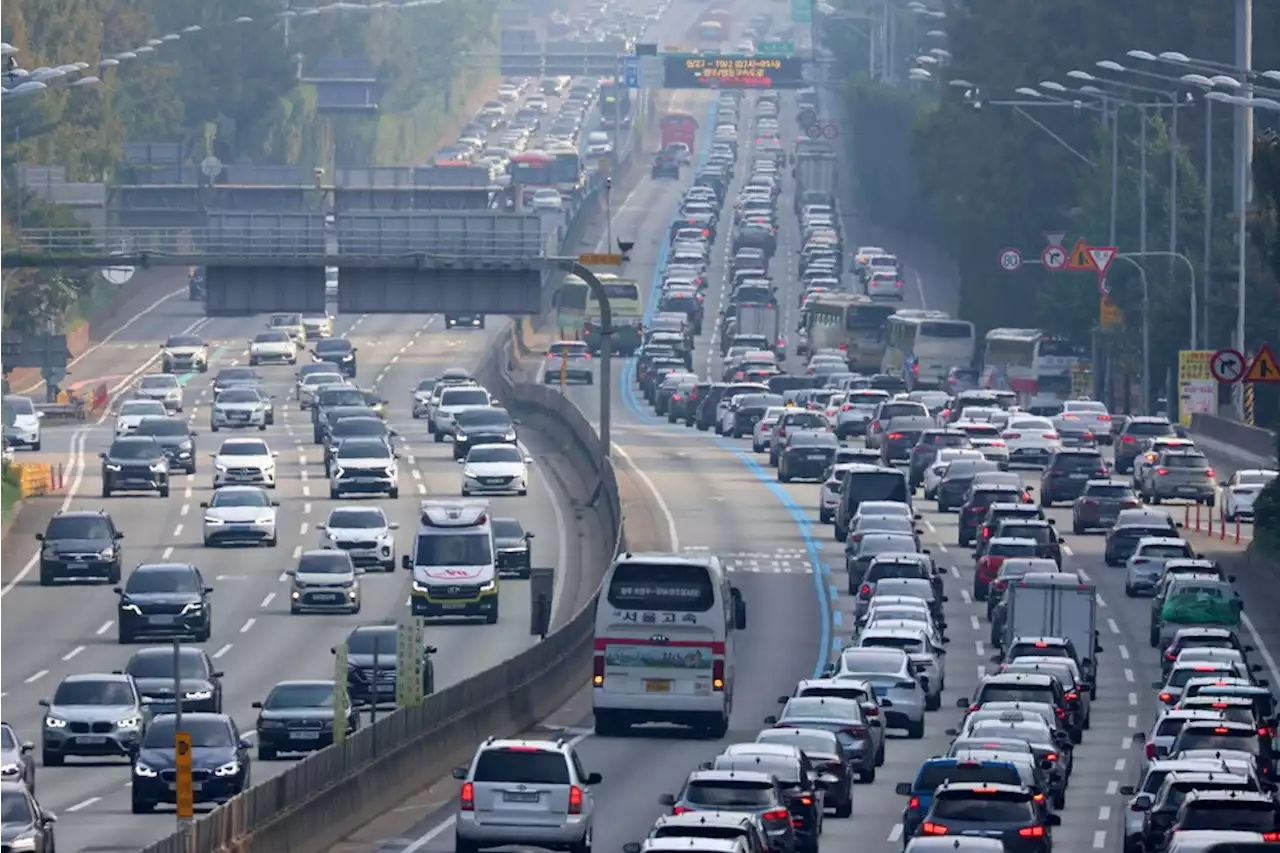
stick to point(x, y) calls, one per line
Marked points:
point(43, 703)
point(117, 590)
point(27, 746)
point(925, 551)
point(406, 562)
point(1053, 819)
point(1142, 802)
point(962, 702)
point(1156, 685)
point(951, 732)
point(39, 537)
point(275, 503)
point(292, 572)
point(771, 720)
point(917, 517)
point(631, 847)
point(208, 589)
point(666, 800)
point(594, 779)
point(102, 455)
point(1127, 790)
point(204, 504)
point(903, 789)
point(257, 705)
point(460, 773)
point(217, 673)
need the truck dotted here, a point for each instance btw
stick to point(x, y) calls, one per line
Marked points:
point(758, 322)
point(1056, 605)
point(815, 174)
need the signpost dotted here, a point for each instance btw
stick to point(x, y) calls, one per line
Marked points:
point(1102, 256)
point(1109, 313)
point(802, 11)
point(564, 372)
point(600, 259)
point(184, 791)
point(1010, 260)
point(1197, 390)
point(1053, 258)
point(410, 654)
point(1227, 365)
point(631, 72)
point(340, 697)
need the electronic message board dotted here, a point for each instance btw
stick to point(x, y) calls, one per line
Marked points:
point(717, 71)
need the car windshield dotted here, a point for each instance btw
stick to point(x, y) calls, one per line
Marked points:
point(367, 642)
point(150, 664)
point(482, 417)
point(299, 696)
point(810, 742)
point(1148, 430)
point(239, 395)
point(342, 397)
point(1168, 552)
point(361, 425)
point(464, 397)
point(94, 693)
point(175, 579)
point(1184, 460)
point(82, 527)
point(272, 338)
point(183, 341)
point(1016, 693)
point(317, 379)
point(1012, 549)
point(506, 453)
point(1241, 816)
point(356, 519)
point(16, 811)
point(162, 426)
point(8, 740)
point(453, 549)
point(139, 408)
point(324, 563)
point(244, 448)
point(364, 448)
point(934, 775)
point(333, 346)
point(873, 662)
point(239, 497)
point(995, 807)
point(1221, 737)
point(1108, 491)
point(153, 383)
point(730, 794)
point(522, 766)
point(208, 732)
point(507, 528)
point(134, 450)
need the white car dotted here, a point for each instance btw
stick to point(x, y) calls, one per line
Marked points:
point(364, 465)
point(164, 387)
point(889, 671)
point(452, 399)
point(240, 515)
point(311, 384)
point(934, 473)
point(1240, 491)
point(278, 346)
point(762, 432)
point(829, 493)
point(237, 408)
point(244, 462)
point(24, 430)
point(598, 144)
point(132, 412)
point(317, 325)
point(1151, 455)
point(495, 468)
point(1092, 414)
point(184, 353)
point(364, 532)
point(1031, 440)
point(547, 200)
point(884, 285)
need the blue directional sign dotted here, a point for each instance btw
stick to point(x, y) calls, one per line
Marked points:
point(631, 72)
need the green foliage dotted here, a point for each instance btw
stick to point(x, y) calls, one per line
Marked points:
point(34, 298)
point(1266, 518)
point(1266, 179)
point(884, 174)
point(10, 491)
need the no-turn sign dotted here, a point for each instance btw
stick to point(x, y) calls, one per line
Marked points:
point(1053, 258)
point(1010, 260)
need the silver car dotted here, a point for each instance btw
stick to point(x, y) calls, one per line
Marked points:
point(889, 673)
point(240, 514)
point(311, 384)
point(1144, 569)
point(238, 408)
point(1155, 743)
point(916, 641)
point(364, 532)
point(762, 432)
point(325, 581)
point(528, 793)
point(1142, 795)
point(164, 387)
point(16, 763)
point(92, 715)
point(422, 397)
point(1178, 475)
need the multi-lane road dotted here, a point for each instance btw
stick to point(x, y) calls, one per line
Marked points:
point(51, 632)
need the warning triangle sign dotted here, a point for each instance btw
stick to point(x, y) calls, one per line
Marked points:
point(1102, 256)
point(1080, 259)
point(1264, 367)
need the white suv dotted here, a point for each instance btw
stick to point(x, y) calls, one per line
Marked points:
point(525, 792)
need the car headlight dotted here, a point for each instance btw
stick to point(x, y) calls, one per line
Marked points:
point(459, 435)
point(213, 521)
point(391, 472)
point(220, 466)
point(489, 587)
point(270, 724)
point(338, 473)
point(23, 844)
point(184, 445)
point(54, 723)
point(129, 723)
point(197, 695)
point(349, 357)
point(192, 606)
point(266, 519)
point(468, 473)
point(10, 769)
point(510, 436)
point(417, 587)
point(145, 771)
point(231, 768)
point(131, 607)
point(174, 394)
point(111, 466)
point(158, 467)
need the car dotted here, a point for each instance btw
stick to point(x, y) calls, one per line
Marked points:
point(134, 464)
point(422, 396)
point(240, 514)
point(801, 782)
point(80, 545)
point(291, 324)
point(164, 388)
point(219, 753)
point(338, 352)
point(244, 461)
point(1201, 638)
point(316, 377)
point(490, 468)
point(1068, 473)
point(273, 346)
point(453, 399)
point(665, 165)
point(1031, 440)
point(229, 377)
point(16, 763)
point(1134, 434)
point(1142, 795)
point(92, 715)
point(364, 533)
point(238, 407)
point(25, 825)
point(806, 454)
point(547, 200)
point(482, 425)
point(889, 673)
point(940, 770)
point(169, 600)
point(131, 413)
point(991, 810)
point(360, 423)
point(514, 548)
point(371, 665)
point(324, 581)
point(919, 643)
point(1146, 565)
point(1100, 504)
point(933, 474)
point(298, 716)
point(1093, 415)
point(364, 465)
point(199, 682)
point(834, 714)
point(1179, 474)
point(568, 359)
point(176, 440)
point(1241, 490)
point(184, 354)
point(317, 325)
point(744, 833)
point(748, 792)
point(829, 755)
point(955, 484)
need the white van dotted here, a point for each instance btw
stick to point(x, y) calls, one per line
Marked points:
point(452, 560)
point(664, 644)
point(22, 421)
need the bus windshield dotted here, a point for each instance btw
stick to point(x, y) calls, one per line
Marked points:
point(532, 171)
point(627, 290)
point(678, 587)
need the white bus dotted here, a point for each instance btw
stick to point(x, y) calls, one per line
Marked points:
point(664, 644)
point(851, 322)
point(1031, 363)
point(922, 346)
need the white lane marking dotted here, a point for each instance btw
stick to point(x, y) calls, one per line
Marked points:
point(1113, 788)
point(422, 490)
point(979, 648)
point(266, 601)
point(306, 508)
point(284, 577)
point(673, 537)
point(167, 553)
point(968, 598)
point(177, 531)
point(1066, 549)
point(1124, 652)
point(955, 571)
point(306, 490)
point(302, 475)
point(942, 548)
point(187, 492)
point(105, 627)
point(1104, 813)
point(297, 552)
point(302, 531)
point(83, 804)
point(1128, 675)
point(1111, 624)
point(222, 651)
point(1100, 840)
point(69, 655)
point(302, 458)
point(32, 679)
point(973, 621)
point(1101, 603)
point(248, 624)
point(895, 833)
point(1132, 721)
point(1120, 764)
point(186, 508)
point(1133, 698)
point(928, 525)
point(417, 475)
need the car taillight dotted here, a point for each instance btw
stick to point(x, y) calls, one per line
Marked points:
point(899, 284)
point(1166, 698)
point(1052, 436)
point(1209, 473)
point(875, 425)
point(1170, 656)
point(1151, 751)
point(1031, 832)
point(766, 428)
point(1011, 435)
point(468, 798)
point(1162, 471)
point(678, 810)
point(717, 674)
point(894, 436)
point(676, 397)
point(1072, 696)
point(597, 678)
point(1039, 798)
point(986, 532)
point(1131, 503)
point(1061, 713)
point(575, 800)
point(847, 407)
point(776, 814)
point(1264, 732)
point(806, 801)
point(855, 538)
point(996, 444)
point(870, 712)
point(931, 828)
point(855, 731)
point(1104, 417)
point(1053, 756)
point(1001, 585)
point(1128, 439)
point(973, 708)
point(1271, 837)
point(865, 592)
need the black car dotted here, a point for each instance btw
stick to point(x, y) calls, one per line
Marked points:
point(80, 545)
point(684, 402)
point(472, 427)
point(1100, 504)
point(219, 761)
point(24, 819)
point(665, 166)
point(975, 508)
point(332, 414)
point(199, 687)
point(338, 351)
point(329, 398)
point(297, 716)
point(807, 455)
point(704, 413)
point(900, 437)
point(469, 321)
point(926, 448)
point(234, 377)
point(1122, 540)
point(1067, 473)
point(1042, 532)
point(959, 477)
point(135, 464)
point(514, 546)
point(164, 600)
point(176, 439)
point(365, 425)
point(371, 665)
point(1008, 813)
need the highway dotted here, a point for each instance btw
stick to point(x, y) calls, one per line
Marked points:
point(52, 632)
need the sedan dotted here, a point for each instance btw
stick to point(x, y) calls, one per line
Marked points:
point(889, 673)
point(132, 412)
point(495, 468)
point(298, 716)
point(833, 714)
point(219, 756)
point(16, 763)
point(240, 514)
point(1031, 441)
point(163, 387)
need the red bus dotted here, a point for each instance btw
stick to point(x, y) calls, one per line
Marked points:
point(533, 169)
point(679, 127)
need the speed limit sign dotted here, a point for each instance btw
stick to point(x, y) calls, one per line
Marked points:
point(1010, 260)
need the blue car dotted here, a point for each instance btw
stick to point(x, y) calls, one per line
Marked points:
point(939, 771)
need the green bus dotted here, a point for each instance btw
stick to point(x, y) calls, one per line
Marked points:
point(628, 314)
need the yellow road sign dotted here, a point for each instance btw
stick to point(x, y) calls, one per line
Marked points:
point(1265, 368)
point(184, 798)
point(599, 259)
point(1110, 313)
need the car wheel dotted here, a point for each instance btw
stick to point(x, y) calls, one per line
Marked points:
point(273, 542)
point(915, 731)
point(845, 809)
point(1077, 529)
point(141, 806)
point(394, 494)
point(1059, 800)
point(266, 753)
point(51, 759)
point(164, 492)
point(868, 776)
point(334, 494)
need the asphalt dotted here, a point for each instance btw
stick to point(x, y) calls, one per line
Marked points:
point(51, 632)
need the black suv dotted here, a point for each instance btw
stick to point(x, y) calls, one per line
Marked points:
point(514, 547)
point(1135, 435)
point(1065, 476)
point(164, 600)
point(1048, 542)
point(926, 450)
point(80, 546)
point(975, 508)
point(339, 352)
point(176, 439)
point(135, 464)
point(371, 665)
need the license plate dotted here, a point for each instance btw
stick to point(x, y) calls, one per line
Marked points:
point(306, 735)
point(239, 527)
point(657, 686)
point(328, 596)
point(1190, 489)
point(77, 567)
point(1077, 476)
point(161, 620)
point(196, 787)
point(239, 416)
point(816, 457)
point(91, 739)
point(453, 605)
point(520, 796)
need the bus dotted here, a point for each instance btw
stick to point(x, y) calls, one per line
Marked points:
point(851, 322)
point(615, 104)
point(666, 630)
point(922, 346)
point(1030, 362)
point(679, 127)
point(628, 314)
point(532, 170)
point(567, 172)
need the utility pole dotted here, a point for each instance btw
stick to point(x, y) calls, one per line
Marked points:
point(1243, 158)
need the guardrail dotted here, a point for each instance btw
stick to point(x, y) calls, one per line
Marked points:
point(38, 478)
point(1256, 440)
point(326, 796)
